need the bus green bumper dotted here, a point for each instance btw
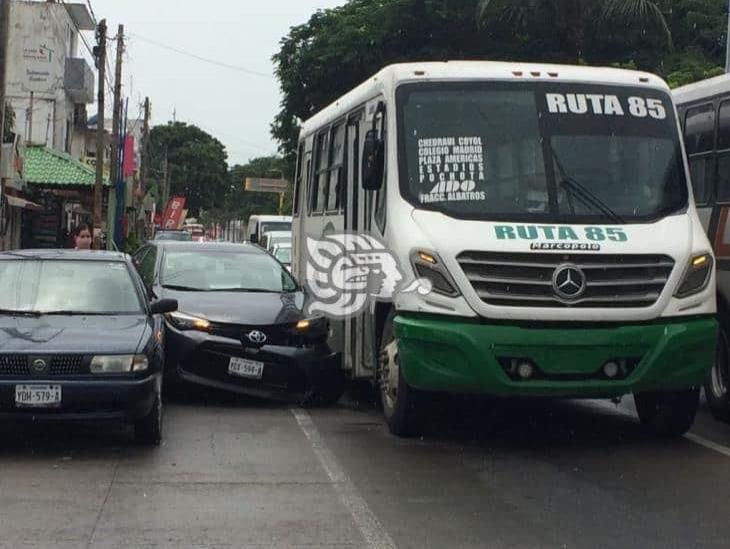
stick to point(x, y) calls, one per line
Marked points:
point(464, 356)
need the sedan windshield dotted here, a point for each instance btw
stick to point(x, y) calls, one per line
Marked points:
point(540, 152)
point(207, 270)
point(68, 287)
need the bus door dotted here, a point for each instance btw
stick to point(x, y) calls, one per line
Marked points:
point(359, 331)
point(304, 165)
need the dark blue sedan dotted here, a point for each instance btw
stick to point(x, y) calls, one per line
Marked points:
point(80, 339)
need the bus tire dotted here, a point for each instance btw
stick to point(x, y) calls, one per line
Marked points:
point(669, 413)
point(717, 389)
point(399, 400)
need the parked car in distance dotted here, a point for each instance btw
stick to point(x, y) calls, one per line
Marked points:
point(80, 339)
point(272, 238)
point(260, 224)
point(241, 324)
point(178, 235)
point(282, 252)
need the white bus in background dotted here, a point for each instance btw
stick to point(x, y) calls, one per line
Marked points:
point(260, 224)
point(704, 113)
point(549, 206)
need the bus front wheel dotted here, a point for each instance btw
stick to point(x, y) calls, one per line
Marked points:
point(717, 390)
point(400, 401)
point(670, 413)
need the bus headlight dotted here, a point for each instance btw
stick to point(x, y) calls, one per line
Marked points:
point(428, 265)
point(697, 276)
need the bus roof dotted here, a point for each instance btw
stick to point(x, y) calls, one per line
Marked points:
point(704, 89)
point(396, 74)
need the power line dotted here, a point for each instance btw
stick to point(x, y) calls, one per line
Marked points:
point(201, 58)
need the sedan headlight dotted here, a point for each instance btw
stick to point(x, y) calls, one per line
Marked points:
point(428, 265)
point(697, 276)
point(118, 364)
point(311, 330)
point(182, 321)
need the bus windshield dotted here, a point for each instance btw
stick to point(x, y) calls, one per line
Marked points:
point(540, 152)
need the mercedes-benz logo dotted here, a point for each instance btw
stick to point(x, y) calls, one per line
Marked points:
point(569, 282)
point(256, 337)
point(39, 366)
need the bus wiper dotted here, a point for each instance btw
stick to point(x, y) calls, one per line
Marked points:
point(590, 199)
point(182, 288)
point(581, 192)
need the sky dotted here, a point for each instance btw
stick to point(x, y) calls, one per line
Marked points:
point(234, 106)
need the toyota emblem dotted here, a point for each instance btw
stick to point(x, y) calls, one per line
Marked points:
point(569, 282)
point(257, 337)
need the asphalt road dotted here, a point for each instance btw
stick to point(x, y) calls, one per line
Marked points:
point(246, 473)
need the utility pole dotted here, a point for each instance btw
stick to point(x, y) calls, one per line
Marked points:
point(727, 41)
point(100, 52)
point(31, 108)
point(144, 168)
point(116, 171)
point(4, 39)
point(145, 143)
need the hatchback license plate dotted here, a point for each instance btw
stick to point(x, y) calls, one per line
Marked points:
point(242, 367)
point(37, 396)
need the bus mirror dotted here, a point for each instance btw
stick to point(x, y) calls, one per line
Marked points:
point(373, 161)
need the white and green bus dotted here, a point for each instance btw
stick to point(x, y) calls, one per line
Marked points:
point(550, 209)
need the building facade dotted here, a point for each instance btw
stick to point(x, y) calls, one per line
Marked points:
point(49, 84)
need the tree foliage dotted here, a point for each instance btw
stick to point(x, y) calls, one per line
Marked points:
point(197, 164)
point(681, 40)
point(239, 203)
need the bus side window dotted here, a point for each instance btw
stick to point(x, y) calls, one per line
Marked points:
point(699, 137)
point(298, 178)
point(316, 196)
point(335, 168)
point(723, 153)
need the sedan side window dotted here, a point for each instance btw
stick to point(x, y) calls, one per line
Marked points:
point(147, 267)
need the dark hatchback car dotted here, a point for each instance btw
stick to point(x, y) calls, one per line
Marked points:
point(241, 324)
point(80, 340)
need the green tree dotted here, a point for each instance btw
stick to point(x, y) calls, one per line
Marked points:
point(240, 204)
point(681, 40)
point(197, 164)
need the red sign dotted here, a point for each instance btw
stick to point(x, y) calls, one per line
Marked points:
point(173, 217)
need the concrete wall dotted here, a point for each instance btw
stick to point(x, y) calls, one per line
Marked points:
point(42, 36)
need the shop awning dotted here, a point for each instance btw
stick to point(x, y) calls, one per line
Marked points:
point(46, 167)
point(17, 202)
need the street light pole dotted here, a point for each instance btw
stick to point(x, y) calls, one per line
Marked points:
point(727, 41)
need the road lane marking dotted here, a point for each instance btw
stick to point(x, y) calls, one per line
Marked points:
point(375, 535)
point(724, 450)
point(697, 439)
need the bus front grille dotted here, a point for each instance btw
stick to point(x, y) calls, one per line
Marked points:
point(529, 280)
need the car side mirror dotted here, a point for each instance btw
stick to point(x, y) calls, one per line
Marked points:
point(163, 306)
point(373, 161)
point(254, 239)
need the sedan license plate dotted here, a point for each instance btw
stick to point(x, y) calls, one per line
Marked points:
point(242, 367)
point(37, 396)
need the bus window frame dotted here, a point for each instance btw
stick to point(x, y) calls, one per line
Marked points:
point(296, 205)
point(721, 101)
point(711, 197)
point(339, 123)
